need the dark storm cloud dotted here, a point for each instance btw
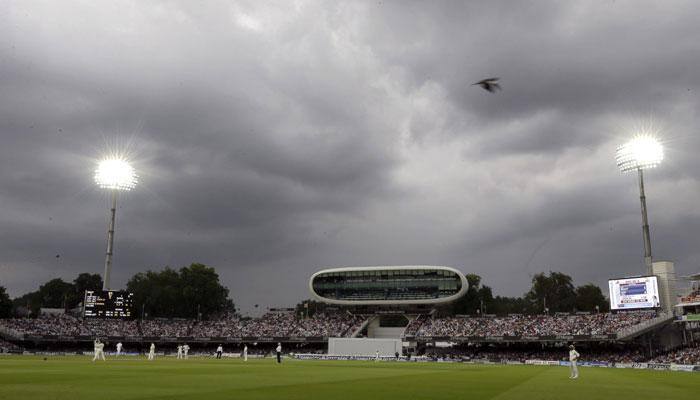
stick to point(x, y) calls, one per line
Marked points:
point(275, 138)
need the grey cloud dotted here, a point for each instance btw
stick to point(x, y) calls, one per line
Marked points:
point(274, 139)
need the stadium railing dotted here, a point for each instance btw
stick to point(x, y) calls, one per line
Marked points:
point(636, 330)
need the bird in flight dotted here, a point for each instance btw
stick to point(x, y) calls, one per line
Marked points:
point(490, 84)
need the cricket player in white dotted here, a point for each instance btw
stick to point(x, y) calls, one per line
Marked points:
point(119, 349)
point(186, 350)
point(152, 352)
point(179, 351)
point(573, 358)
point(376, 357)
point(279, 353)
point(245, 353)
point(99, 351)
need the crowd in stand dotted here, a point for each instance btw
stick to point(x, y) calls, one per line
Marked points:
point(165, 328)
point(528, 325)
point(271, 324)
point(46, 325)
point(687, 355)
point(692, 297)
point(326, 325)
point(227, 326)
point(108, 327)
point(280, 324)
point(6, 347)
point(548, 354)
point(287, 324)
point(627, 354)
point(415, 324)
point(336, 325)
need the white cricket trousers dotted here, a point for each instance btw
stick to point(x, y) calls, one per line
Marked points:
point(574, 369)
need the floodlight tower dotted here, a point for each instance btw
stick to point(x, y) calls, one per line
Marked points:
point(116, 175)
point(640, 153)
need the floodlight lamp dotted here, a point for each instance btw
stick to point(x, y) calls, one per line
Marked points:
point(115, 174)
point(641, 152)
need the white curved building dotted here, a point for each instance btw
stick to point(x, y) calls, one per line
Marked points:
point(388, 285)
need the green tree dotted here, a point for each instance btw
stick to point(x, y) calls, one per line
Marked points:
point(5, 304)
point(202, 292)
point(555, 292)
point(28, 304)
point(589, 296)
point(509, 305)
point(156, 292)
point(169, 293)
point(81, 283)
point(55, 293)
point(476, 296)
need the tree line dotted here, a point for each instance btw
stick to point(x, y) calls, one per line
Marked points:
point(548, 294)
point(190, 292)
point(196, 292)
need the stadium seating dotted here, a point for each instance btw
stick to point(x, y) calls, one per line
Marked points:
point(6, 347)
point(341, 324)
point(273, 324)
point(685, 355)
point(533, 325)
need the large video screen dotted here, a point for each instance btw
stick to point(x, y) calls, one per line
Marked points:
point(108, 304)
point(629, 293)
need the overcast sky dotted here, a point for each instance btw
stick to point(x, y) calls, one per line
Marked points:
point(274, 139)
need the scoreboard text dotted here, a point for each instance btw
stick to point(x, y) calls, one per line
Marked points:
point(108, 304)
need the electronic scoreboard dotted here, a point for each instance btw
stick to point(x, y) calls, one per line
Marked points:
point(108, 304)
point(630, 293)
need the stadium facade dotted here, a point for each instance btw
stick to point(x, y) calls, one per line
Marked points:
point(388, 285)
point(399, 305)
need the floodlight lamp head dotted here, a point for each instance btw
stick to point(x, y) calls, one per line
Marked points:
point(115, 174)
point(641, 152)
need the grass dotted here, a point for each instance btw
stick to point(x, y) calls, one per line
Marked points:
point(77, 378)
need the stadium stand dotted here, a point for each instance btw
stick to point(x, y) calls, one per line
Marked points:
point(7, 347)
point(548, 354)
point(537, 325)
point(692, 297)
point(271, 324)
point(336, 325)
point(342, 324)
point(165, 328)
point(684, 355)
point(415, 325)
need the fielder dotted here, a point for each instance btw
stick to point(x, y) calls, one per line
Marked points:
point(152, 352)
point(99, 351)
point(186, 350)
point(245, 353)
point(279, 353)
point(376, 357)
point(179, 351)
point(219, 351)
point(119, 349)
point(573, 357)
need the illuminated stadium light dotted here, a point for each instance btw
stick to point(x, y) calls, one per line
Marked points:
point(115, 174)
point(642, 152)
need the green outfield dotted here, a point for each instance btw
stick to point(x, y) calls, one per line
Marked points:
point(77, 378)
